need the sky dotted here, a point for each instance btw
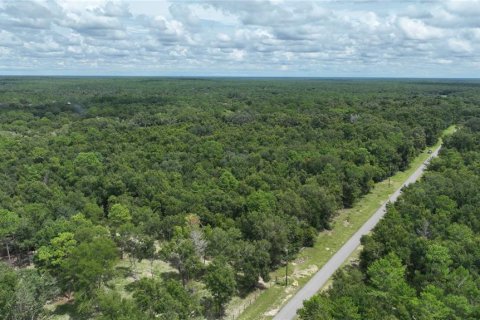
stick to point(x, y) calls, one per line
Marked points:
point(275, 38)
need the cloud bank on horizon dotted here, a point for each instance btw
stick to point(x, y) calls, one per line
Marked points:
point(241, 38)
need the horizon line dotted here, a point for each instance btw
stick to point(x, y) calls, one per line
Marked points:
point(234, 76)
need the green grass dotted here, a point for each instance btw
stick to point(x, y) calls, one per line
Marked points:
point(262, 304)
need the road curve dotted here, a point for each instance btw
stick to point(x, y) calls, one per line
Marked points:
point(317, 282)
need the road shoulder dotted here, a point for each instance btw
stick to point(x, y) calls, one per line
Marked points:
point(265, 304)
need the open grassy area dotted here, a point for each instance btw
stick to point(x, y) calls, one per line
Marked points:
point(264, 304)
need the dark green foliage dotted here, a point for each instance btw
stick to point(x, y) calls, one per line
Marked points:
point(112, 306)
point(92, 170)
point(23, 293)
point(89, 264)
point(220, 281)
point(167, 300)
point(32, 291)
point(421, 261)
point(8, 282)
point(180, 253)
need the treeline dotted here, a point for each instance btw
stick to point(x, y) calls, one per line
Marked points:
point(422, 261)
point(219, 178)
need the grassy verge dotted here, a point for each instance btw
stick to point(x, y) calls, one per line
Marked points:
point(264, 304)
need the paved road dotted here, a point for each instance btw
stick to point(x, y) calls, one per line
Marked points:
point(317, 282)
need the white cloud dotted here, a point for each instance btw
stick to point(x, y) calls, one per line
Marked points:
point(8, 39)
point(418, 30)
point(238, 55)
point(444, 61)
point(90, 21)
point(115, 9)
point(223, 37)
point(464, 7)
point(261, 37)
point(460, 46)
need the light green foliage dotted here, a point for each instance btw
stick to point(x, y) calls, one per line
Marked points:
point(9, 222)
point(261, 201)
point(320, 308)
point(228, 180)
point(9, 225)
point(88, 163)
point(388, 275)
point(79, 266)
point(438, 261)
point(119, 215)
point(431, 306)
point(52, 257)
point(39, 154)
point(317, 308)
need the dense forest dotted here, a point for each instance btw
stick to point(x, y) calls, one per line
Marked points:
point(221, 178)
point(423, 260)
